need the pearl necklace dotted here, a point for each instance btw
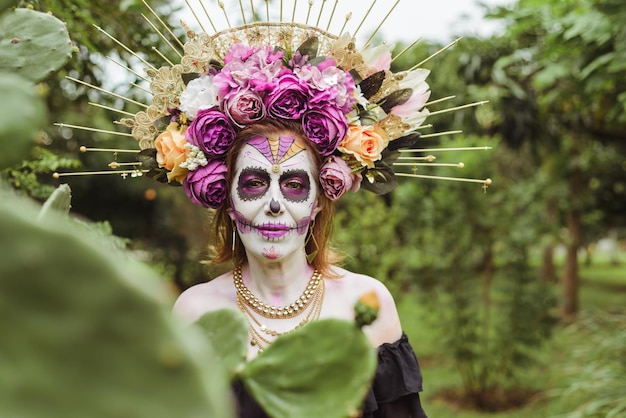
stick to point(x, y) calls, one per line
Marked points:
point(277, 312)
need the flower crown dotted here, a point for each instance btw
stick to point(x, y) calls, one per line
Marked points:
point(358, 113)
point(350, 106)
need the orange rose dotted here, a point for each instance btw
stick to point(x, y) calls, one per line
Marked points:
point(365, 143)
point(170, 146)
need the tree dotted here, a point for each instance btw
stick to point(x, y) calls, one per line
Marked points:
point(567, 62)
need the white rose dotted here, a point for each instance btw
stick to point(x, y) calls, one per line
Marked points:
point(199, 94)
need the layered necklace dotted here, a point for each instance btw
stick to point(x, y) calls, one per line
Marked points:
point(308, 304)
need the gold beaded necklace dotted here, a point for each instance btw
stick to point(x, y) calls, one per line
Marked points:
point(269, 311)
point(260, 335)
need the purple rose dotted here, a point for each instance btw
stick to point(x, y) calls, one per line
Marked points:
point(206, 186)
point(336, 178)
point(289, 98)
point(325, 127)
point(211, 131)
point(244, 107)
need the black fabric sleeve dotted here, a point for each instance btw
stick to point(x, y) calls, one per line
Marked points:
point(397, 383)
point(394, 393)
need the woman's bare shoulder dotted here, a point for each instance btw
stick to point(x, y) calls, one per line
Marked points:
point(386, 328)
point(199, 299)
point(359, 283)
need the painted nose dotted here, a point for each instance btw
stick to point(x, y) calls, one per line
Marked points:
point(274, 207)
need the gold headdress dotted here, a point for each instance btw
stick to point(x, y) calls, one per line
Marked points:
point(360, 115)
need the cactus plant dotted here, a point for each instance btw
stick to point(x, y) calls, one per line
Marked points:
point(85, 332)
point(227, 330)
point(22, 114)
point(322, 370)
point(33, 44)
point(59, 201)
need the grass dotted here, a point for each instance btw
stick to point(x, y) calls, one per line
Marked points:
point(602, 287)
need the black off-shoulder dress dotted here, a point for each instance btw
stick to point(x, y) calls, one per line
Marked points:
point(394, 392)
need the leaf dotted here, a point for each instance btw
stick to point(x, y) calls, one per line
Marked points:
point(309, 47)
point(406, 141)
point(356, 76)
point(22, 114)
point(227, 331)
point(599, 62)
point(33, 44)
point(187, 77)
point(162, 123)
point(114, 339)
point(371, 84)
point(322, 370)
point(59, 201)
point(147, 158)
point(395, 98)
point(381, 179)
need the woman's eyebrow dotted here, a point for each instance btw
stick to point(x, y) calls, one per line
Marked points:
point(255, 171)
point(294, 173)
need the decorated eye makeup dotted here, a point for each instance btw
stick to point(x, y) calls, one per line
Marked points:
point(295, 185)
point(253, 183)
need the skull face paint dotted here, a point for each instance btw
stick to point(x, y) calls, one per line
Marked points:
point(274, 196)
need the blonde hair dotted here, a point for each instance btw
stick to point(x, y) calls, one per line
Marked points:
point(320, 232)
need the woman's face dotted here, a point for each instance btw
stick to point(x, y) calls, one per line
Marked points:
point(274, 195)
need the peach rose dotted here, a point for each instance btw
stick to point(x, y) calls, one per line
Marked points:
point(365, 143)
point(170, 146)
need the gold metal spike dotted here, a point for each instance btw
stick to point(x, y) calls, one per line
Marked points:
point(380, 24)
point(452, 109)
point(106, 91)
point(364, 18)
point(450, 45)
point(162, 37)
point(158, 18)
point(332, 14)
point(193, 12)
point(87, 128)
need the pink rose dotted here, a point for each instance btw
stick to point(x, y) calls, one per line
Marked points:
point(212, 132)
point(244, 107)
point(206, 186)
point(288, 100)
point(325, 127)
point(336, 178)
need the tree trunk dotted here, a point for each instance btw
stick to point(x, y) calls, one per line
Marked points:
point(570, 278)
point(547, 265)
point(548, 274)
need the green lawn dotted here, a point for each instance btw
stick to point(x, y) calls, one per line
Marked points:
point(603, 288)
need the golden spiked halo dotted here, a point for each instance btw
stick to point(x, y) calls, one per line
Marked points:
point(379, 89)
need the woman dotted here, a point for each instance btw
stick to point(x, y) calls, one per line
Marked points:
point(275, 226)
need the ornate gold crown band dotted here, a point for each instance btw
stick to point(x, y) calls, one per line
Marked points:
point(380, 98)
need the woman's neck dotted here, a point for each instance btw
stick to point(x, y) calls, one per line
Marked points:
point(277, 283)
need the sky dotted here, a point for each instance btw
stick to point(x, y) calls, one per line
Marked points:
point(440, 20)
point(434, 20)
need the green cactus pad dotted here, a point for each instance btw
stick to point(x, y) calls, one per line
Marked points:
point(227, 330)
point(22, 114)
point(33, 44)
point(87, 332)
point(59, 202)
point(322, 370)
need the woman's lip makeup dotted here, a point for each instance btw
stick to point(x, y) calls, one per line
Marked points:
point(273, 231)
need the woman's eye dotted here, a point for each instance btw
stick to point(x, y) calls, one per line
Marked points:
point(255, 183)
point(293, 185)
